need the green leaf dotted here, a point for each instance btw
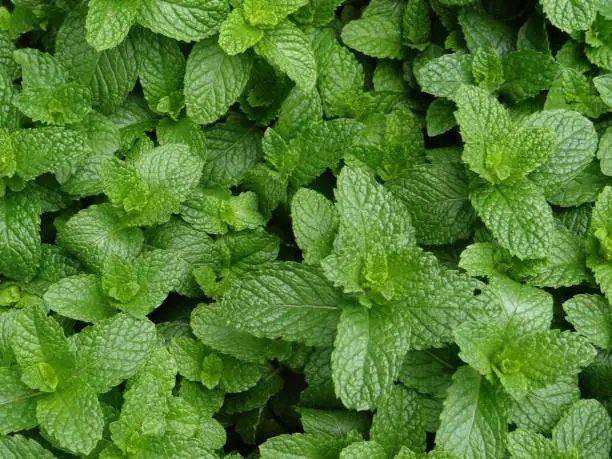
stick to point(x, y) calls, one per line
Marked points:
point(521, 362)
point(473, 421)
point(182, 19)
point(570, 15)
point(146, 402)
point(162, 71)
point(209, 326)
point(20, 247)
point(369, 215)
point(444, 75)
point(440, 117)
point(603, 153)
point(212, 371)
point(40, 339)
point(576, 145)
point(483, 122)
point(487, 69)
point(304, 446)
point(367, 356)
point(518, 217)
point(603, 83)
point(318, 374)
point(591, 316)
point(65, 104)
point(95, 233)
point(300, 109)
point(341, 76)
point(315, 222)
point(237, 35)
point(527, 72)
point(158, 273)
point(72, 418)
point(285, 300)
point(42, 150)
point(533, 35)
point(541, 409)
point(79, 297)
point(563, 267)
point(520, 308)
point(288, 48)
point(398, 421)
point(376, 35)
point(18, 447)
point(108, 22)
point(213, 81)
point(585, 428)
point(416, 22)
point(483, 31)
point(369, 449)
point(40, 70)
point(234, 146)
point(333, 422)
point(114, 350)
point(17, 403)
point(598, 242)
point(437, 196)
point(149, 188)
point(519, 153)
point(527, 444)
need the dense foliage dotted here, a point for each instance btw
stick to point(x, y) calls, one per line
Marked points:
point(305, 229)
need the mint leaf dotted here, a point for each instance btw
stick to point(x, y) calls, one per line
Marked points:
point(483, 31)
point(526, 73)
point(213, 81)
point(437, 195)
point(95, 233)
point(590, 315)
point(18, 446)
point(285, 300)
point(149, 188)
point(72, 418)
point(20, 247)
point(473, 421)
point(303, 445)
point(369, 214)
point(333, 422)
point(340, 74)
point(585, 428)
point(570, 15)
point(314, 224)
point(113, 350)
point(161, 74)
point(376, 34)
point(541, 409)
point(17, 403)
point(79, 297)
point(207, 325)
point(237, 35)
point(526, 234)
point(487, 69)
point(367, 355)
point(182, 20)
point(398, 423)
point(42, 150)
point(288, 48)
point(363, 449)
point(576, 145)
point(443, 76)
point(104, 34)
point(234, 146)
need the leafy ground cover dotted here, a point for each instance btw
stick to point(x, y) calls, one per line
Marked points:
point(305, 229)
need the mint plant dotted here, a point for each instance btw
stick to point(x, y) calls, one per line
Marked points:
point(305, 228)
